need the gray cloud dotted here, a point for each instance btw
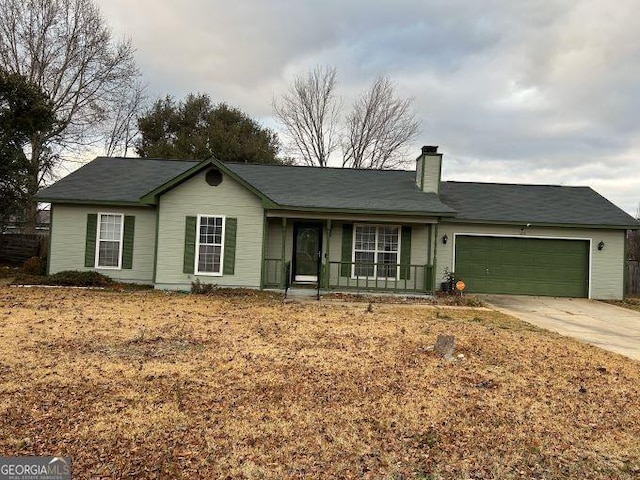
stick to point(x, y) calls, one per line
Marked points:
point(531, 91)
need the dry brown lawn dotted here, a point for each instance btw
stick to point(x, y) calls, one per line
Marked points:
point(155, 385)
point(632, 303)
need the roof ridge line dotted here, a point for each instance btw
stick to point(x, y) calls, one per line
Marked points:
point(316, 167)
point(518, 184)
point(146, 159)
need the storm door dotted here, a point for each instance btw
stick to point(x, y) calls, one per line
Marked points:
point(307, 248)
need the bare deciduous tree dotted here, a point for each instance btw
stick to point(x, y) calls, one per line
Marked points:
point(633, 241)
point(65, 48)
point(376, 133)
point(379, 128)
point(309, 113)
point(633, 245)
point(123, 126)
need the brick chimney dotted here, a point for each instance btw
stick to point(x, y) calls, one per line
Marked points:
point(429, 169)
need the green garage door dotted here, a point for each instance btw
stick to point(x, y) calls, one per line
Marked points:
point(523, 266)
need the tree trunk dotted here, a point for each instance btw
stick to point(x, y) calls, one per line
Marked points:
point(33, 181)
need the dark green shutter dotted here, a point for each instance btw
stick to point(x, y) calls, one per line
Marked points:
point(90, 243)
point(189, 244)
point(347, 245)
point(230, 228)
point(405, 253)
point(127, 247)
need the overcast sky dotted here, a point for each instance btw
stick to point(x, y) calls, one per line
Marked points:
point(520, 91)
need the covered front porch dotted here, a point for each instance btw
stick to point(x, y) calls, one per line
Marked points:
point(349, 253)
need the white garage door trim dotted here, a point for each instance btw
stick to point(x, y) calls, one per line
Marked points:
point(541, 237)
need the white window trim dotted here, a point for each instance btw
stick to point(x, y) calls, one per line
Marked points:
point(197, 255)
point(375, 267)
point(121, 248)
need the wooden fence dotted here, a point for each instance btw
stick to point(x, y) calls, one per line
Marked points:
point(633, 277)
point(16, 248)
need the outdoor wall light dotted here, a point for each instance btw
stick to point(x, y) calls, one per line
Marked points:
point(600, 245)
point(445, 239)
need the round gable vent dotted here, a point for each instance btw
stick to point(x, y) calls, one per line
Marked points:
point(213, 177)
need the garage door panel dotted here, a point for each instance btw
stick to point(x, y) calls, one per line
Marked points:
point(573, 276)
point(523, 265)
point(477, 271)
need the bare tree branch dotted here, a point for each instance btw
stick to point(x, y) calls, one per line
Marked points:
point(309, 114)
point(633, 240)
point(66, 49)
point(124, 126)
point(379, 128)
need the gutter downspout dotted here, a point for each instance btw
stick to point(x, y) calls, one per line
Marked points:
point(327, 262)
point(155, 246)
point(50, 239)
point(625, 262)
point(265, 240)
point(435, 257)
point(284, 266)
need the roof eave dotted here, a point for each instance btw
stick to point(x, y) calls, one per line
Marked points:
point(545, 224)
point(357, 211)
point(76, 201)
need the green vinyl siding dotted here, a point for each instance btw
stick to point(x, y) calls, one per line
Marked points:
point(196, 197)
point(523, 266)
point(73, 237)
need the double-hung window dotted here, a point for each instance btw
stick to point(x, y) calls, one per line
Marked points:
point(376, 251)
point(110, 230)
point(210, 245)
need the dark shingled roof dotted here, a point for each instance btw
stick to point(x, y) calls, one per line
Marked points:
point(126, 180)
point(545, 204)
point(115, 180)
point(338, 188)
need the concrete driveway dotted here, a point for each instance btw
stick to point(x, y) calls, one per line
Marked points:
point(613, 328)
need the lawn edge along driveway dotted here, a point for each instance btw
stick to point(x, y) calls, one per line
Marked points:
point(607, 326)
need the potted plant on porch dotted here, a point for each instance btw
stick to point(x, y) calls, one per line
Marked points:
point(449, 280)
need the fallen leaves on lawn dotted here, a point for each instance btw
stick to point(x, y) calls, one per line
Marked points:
point(156, 385)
